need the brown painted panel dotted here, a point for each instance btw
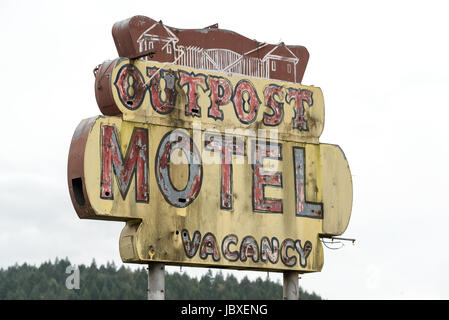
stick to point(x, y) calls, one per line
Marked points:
point(75, 170)
point(151, 92)
point(103, 92)
point(208, 48)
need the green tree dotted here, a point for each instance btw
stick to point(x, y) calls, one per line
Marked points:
point(107, 282)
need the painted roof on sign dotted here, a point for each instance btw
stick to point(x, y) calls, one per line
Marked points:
point(270, 49)
point(129, 34)
point(159, 29)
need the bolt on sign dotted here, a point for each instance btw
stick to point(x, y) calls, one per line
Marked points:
point(208, 148)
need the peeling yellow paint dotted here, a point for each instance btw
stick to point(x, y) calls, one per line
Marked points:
point(153, 230)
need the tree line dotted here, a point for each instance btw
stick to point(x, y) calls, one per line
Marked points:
point(107, 282)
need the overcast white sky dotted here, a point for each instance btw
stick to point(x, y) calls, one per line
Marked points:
point(384, 72)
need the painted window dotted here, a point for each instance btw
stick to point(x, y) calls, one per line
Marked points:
point(289, 68)
point(168, 49)
point(273, 65)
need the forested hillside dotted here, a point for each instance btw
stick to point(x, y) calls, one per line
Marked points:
point(48, 281)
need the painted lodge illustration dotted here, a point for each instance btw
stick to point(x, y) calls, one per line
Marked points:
point(209, 48)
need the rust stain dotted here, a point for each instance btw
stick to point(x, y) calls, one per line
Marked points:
point(274, 188)
point(204, 48)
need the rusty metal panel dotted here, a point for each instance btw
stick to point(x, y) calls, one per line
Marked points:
point(264, 210)
point(103, 92)
point(218, 49)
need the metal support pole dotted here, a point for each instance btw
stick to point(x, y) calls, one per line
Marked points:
point(291, 289)
point(156, 281)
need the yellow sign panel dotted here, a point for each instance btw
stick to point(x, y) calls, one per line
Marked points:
point(172, 95)
point(210, 169)
point(200, 196)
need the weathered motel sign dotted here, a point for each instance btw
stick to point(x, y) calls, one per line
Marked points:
point(208, 148)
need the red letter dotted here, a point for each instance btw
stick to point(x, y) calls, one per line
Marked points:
point(209, 247)
point(230, 255)
point(277, 107)
point(303, 208)
point(220, 94)
point(260, 180)
point(289, 261)
point(129, 84)
point(269, 251)
point(300, 96)
point(178, 139)
point(192, 81)
point(162, 107)
point(249, 248)
point(227, 147)
point(136, 161)
point(239, 102)
point(190, 246)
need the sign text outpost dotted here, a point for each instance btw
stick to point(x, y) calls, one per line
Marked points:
point(151, 92)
